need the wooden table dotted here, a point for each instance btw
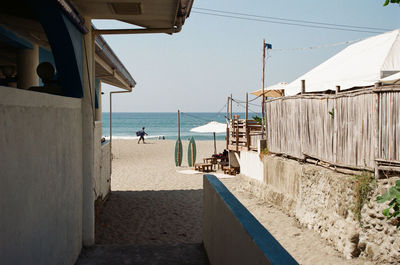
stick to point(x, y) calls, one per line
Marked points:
point(203, 167)
point(230, 171)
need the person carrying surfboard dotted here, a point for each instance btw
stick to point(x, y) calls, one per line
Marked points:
point(141, 135)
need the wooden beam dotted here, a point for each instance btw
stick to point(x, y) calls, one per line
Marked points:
point(112, 72)
point(134, 31)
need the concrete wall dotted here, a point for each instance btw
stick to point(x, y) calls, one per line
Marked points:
point(105, 169)
point(102, 164)
point(41, 178)
point(231, 235)
point(251, 165)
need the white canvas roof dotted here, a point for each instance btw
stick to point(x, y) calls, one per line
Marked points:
point(391, 79)
point(361, 64)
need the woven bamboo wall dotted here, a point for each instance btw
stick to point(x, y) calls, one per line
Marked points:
point(349, 129)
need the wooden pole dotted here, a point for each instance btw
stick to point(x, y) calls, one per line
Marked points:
point(237, 134)
point(179, 125)
point(246, 124)
point(263, 92)
point(215, 144)
point(377, 130)
point(247, 106)
point(337, 89)
point(303, 86)
point(227, 124)
point(231, 106)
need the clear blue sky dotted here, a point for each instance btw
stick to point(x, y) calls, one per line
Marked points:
point(198, 68)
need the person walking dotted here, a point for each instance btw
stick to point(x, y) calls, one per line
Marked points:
point(141, 135)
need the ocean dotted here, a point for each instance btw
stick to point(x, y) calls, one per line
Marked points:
point(126, 124)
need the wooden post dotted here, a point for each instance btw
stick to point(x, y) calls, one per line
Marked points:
point(337, 89)
point(263, 92)
point(377, 130)
point(179, 125)
point(237, 133)
point(335, 126)
point(215, 144)
point(227, 124)
point(246, 123)
point(303, 86)
point(247, 106)
point(231, 106)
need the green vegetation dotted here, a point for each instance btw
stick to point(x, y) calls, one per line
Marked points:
point(392, 195)
point(257, 119)
point(264, 152)
point(332, 113)
point(391, 1)
point(364, 184)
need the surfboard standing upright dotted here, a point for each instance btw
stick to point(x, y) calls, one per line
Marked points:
point(191, 152)
point(178, 146)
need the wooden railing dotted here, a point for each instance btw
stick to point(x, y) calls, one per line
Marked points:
point(243, 134)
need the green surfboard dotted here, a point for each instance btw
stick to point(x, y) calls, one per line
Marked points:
point(178, 153)
point(192, 152)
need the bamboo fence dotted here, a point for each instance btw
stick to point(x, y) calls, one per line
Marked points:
point(359, 130)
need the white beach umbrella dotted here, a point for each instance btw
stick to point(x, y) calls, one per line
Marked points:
point(211, 127)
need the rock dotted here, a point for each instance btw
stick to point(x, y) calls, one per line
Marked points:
point(372, 251)
point(371, 213)
point(355, 238)
point(362, 246)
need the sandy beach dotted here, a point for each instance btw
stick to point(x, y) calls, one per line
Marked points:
point(153, 204)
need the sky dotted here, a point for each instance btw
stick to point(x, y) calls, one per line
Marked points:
point(212, 57)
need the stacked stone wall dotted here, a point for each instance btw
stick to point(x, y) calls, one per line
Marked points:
point(322, 200)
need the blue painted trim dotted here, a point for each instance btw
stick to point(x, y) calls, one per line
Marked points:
point(14, 40)
point(271, 248)
point(66, 45)
point(96, 92)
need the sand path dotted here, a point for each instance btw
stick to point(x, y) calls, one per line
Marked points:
point(152, 204)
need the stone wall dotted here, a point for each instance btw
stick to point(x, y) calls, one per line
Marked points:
point(322, 199)
point(379, 238)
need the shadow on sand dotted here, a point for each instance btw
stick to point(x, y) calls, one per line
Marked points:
point(148, 227)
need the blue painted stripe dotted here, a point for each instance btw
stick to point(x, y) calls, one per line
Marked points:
point(96, 92)
point(14, 40)
point(271, 248)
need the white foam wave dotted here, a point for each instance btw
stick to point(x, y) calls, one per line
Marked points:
point(118, 137)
